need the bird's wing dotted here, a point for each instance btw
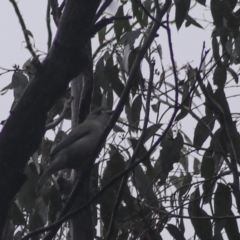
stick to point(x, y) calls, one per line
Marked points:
point(79, 132)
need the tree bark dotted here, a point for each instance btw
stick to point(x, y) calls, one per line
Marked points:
point(82, 87)
point(25, 127)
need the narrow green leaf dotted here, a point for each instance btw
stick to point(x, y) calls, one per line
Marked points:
point(222, 206)
point(169, 154)
point(17, 215)
point(104, 101)
point(156, 106)
point(176, 181)
point(220, 97)
point(202, 2)
point(217, 12)
point(220, 76)
point(137, 12)
point(102, 34)
point(35, 221)
point(190, 20)
point(232, 3)
point(220, 137)
point(116, 128)
point(97, 94)
point(182, 8)
point(184, 160)
point(186, 137)
point(136, 110)
point(177, 145)
point(186, 101)
point(196, 166)
point(184, 112)
point(203, 228)
point(185, 185)
point(141, 152)
point(175, 232)
point(55, 205)
point(208, 187)
point(5, 89)
point(233, 73)
point(150, 131)
point(118, 25)
point(208, 165)
point(113, 167)
point(144, 184)
point(130, 37)
point(128, 111)
point(116, 83)
point(126, 53)
point(231, 227)
point(99, 74)
point(208, 110)
point(109, 99)
point(27, 194)
point(147, 4)
point(237, 44)
point(215, 49)
point(28, 32)
point(201, 133)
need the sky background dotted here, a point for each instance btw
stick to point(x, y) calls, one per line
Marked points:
point(187, 43)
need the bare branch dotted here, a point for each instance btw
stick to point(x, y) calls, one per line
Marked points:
point(24, 29)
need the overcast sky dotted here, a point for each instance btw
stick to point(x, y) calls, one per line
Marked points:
point(187, 42)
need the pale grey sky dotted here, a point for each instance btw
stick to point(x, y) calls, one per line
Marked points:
point(187, 42)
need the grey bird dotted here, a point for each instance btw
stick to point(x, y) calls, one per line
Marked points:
point(78, 145)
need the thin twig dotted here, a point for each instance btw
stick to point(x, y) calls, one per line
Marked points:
point(173, 62)
point(147, 13)
point(104, 6)
point(66, 106)
point(55, 11)
point(202, 218)
point(63, 215)
point(48, 22)
point(24, 29)
point(217, 109)
point(135, 153)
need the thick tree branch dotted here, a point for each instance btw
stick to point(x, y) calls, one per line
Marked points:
point(116, 115)
point(64, 61)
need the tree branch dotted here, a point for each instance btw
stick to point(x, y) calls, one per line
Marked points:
point(64, 61)
point(25, 31)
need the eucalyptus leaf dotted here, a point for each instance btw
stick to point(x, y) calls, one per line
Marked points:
point(175, 232)
point(182, 8)
point(222, 206)
point(202, 227)
point(208, 164)
point(136, 110)
point(201, 133)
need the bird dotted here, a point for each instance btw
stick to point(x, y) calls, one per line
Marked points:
point(78, 145)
